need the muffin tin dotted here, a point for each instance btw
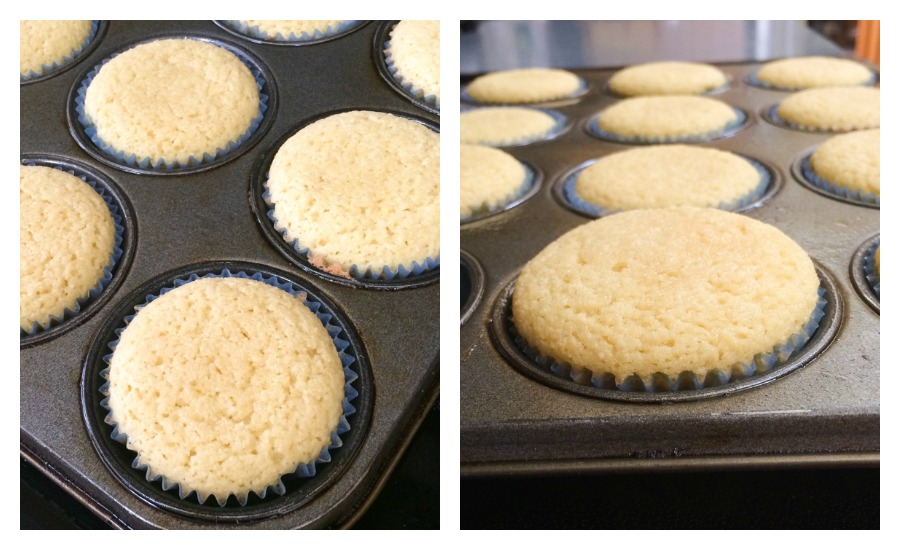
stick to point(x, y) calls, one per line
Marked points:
point(207, 219)
point(825, 410)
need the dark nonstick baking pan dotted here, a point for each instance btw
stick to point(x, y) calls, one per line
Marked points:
point(516, 421)
point(206, 219)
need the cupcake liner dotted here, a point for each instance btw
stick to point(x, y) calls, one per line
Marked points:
point(302, 470)
point(570, 192)
point(386, 273)
point(103, 282)
point(686, 380)
point(595, 130)
point(490, 208)
point(255, 32)
point(754, 81)
point(835, 189)
point(582, 88)
point(558, 127)
point(872, 275)
point(146, 163)
point(66, 59)
point(407, 85)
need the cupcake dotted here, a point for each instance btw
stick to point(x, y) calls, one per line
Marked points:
point(358, 194)
point(659, 176)
point(667, 78)
point(799, 73)
point(47, 45)
point(657, 293)
point(657, 119)
point(524, 86)
point(302, 30)
point(489, 180)
point(413, 56)
point(216, 402)
point(67, 245)
point(503, 126)
point(171, 103)
point(837, 109)
point(849, 165)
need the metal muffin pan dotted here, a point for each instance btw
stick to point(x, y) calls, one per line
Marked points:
point(202, 220)
point(826, 412)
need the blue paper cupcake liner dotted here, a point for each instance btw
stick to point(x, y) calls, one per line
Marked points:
point(255, 32)
point(873, 276)
point(582, 88)
point(760, 363)
point(753, 80)
point(570, 192)
point(386, 273)
point(496, 206)
point(594, 129)
point(559, 125)
point(303, 470)
point(146, 163)
point(66, 60)
point(836, 189)
point(407, 85)
point(93, 293)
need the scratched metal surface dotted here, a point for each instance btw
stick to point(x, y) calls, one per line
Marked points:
point(826, 412)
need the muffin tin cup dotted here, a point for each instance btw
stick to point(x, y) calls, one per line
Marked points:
point(528, 189)
point(592, 128)
point(866, 280)
point(803, 173)
point(801, 349)
point(471, 276)
point(424, 272)
point(113, 273)
point(293, 490)
point(253, 34)
point(86, 136)
point(98, 28)
point(565, 191)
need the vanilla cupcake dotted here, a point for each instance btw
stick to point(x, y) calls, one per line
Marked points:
point(67, 245)
point(171, 103)
point(48, 45)
point(667, 78)
point(849, 165)
point(489, 180)
point(657, 292)
point(835, 109)
point(295, 30)
point(659, 176)
point(358, 195)
point(413, 56)
point(658, 119)
point(524, 86)
point(504, 126)
point(219, 415)
point(799, 73)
